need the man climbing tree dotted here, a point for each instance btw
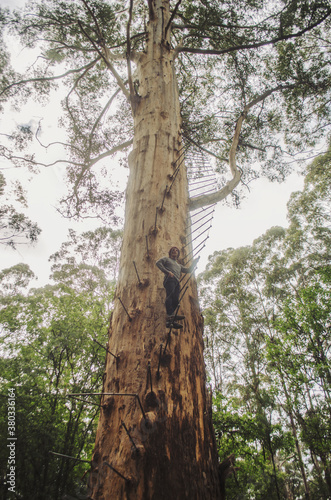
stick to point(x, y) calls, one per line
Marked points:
point(157, 76)
point(173, 270)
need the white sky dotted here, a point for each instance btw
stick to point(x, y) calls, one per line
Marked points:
point(12, 4)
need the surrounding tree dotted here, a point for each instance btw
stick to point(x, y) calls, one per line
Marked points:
point(15, 227)
point(52, 343)
point(268, 350)
point(247, 78)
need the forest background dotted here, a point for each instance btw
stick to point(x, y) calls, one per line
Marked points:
point(267, 347)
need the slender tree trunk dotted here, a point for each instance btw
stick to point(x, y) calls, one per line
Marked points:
point(294, 433)
point(174, 453)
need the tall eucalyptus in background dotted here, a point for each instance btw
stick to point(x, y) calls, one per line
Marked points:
point(51, 346)
point(268, 309)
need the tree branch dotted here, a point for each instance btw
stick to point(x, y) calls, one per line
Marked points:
point(128, 54)
point(97, 121)
point(84, 167)
point(254, 45)
point(203, 148)
point(172, 18)
point(209, 199)
point(106, 56)
point(151, 10)
point(54, 143)
point(50, 78)
point(115, 149)
point(87, 167)
point(116, 75)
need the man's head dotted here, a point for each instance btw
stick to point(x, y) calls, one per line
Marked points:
point(174, 253)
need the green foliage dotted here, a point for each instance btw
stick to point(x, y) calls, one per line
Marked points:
point(15, 278)
point(271, 57)
point(252, 439)
point(267, 316)
point(47, 353)
point(98, 249)
point(15, 227)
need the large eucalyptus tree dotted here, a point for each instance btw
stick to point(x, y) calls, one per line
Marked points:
point(246, 77)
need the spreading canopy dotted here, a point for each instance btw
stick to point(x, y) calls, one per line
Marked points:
point(253, 82)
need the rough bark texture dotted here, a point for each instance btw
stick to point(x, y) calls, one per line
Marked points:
point(175, 453)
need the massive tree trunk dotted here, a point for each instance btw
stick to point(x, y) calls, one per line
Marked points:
point(164, 448)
